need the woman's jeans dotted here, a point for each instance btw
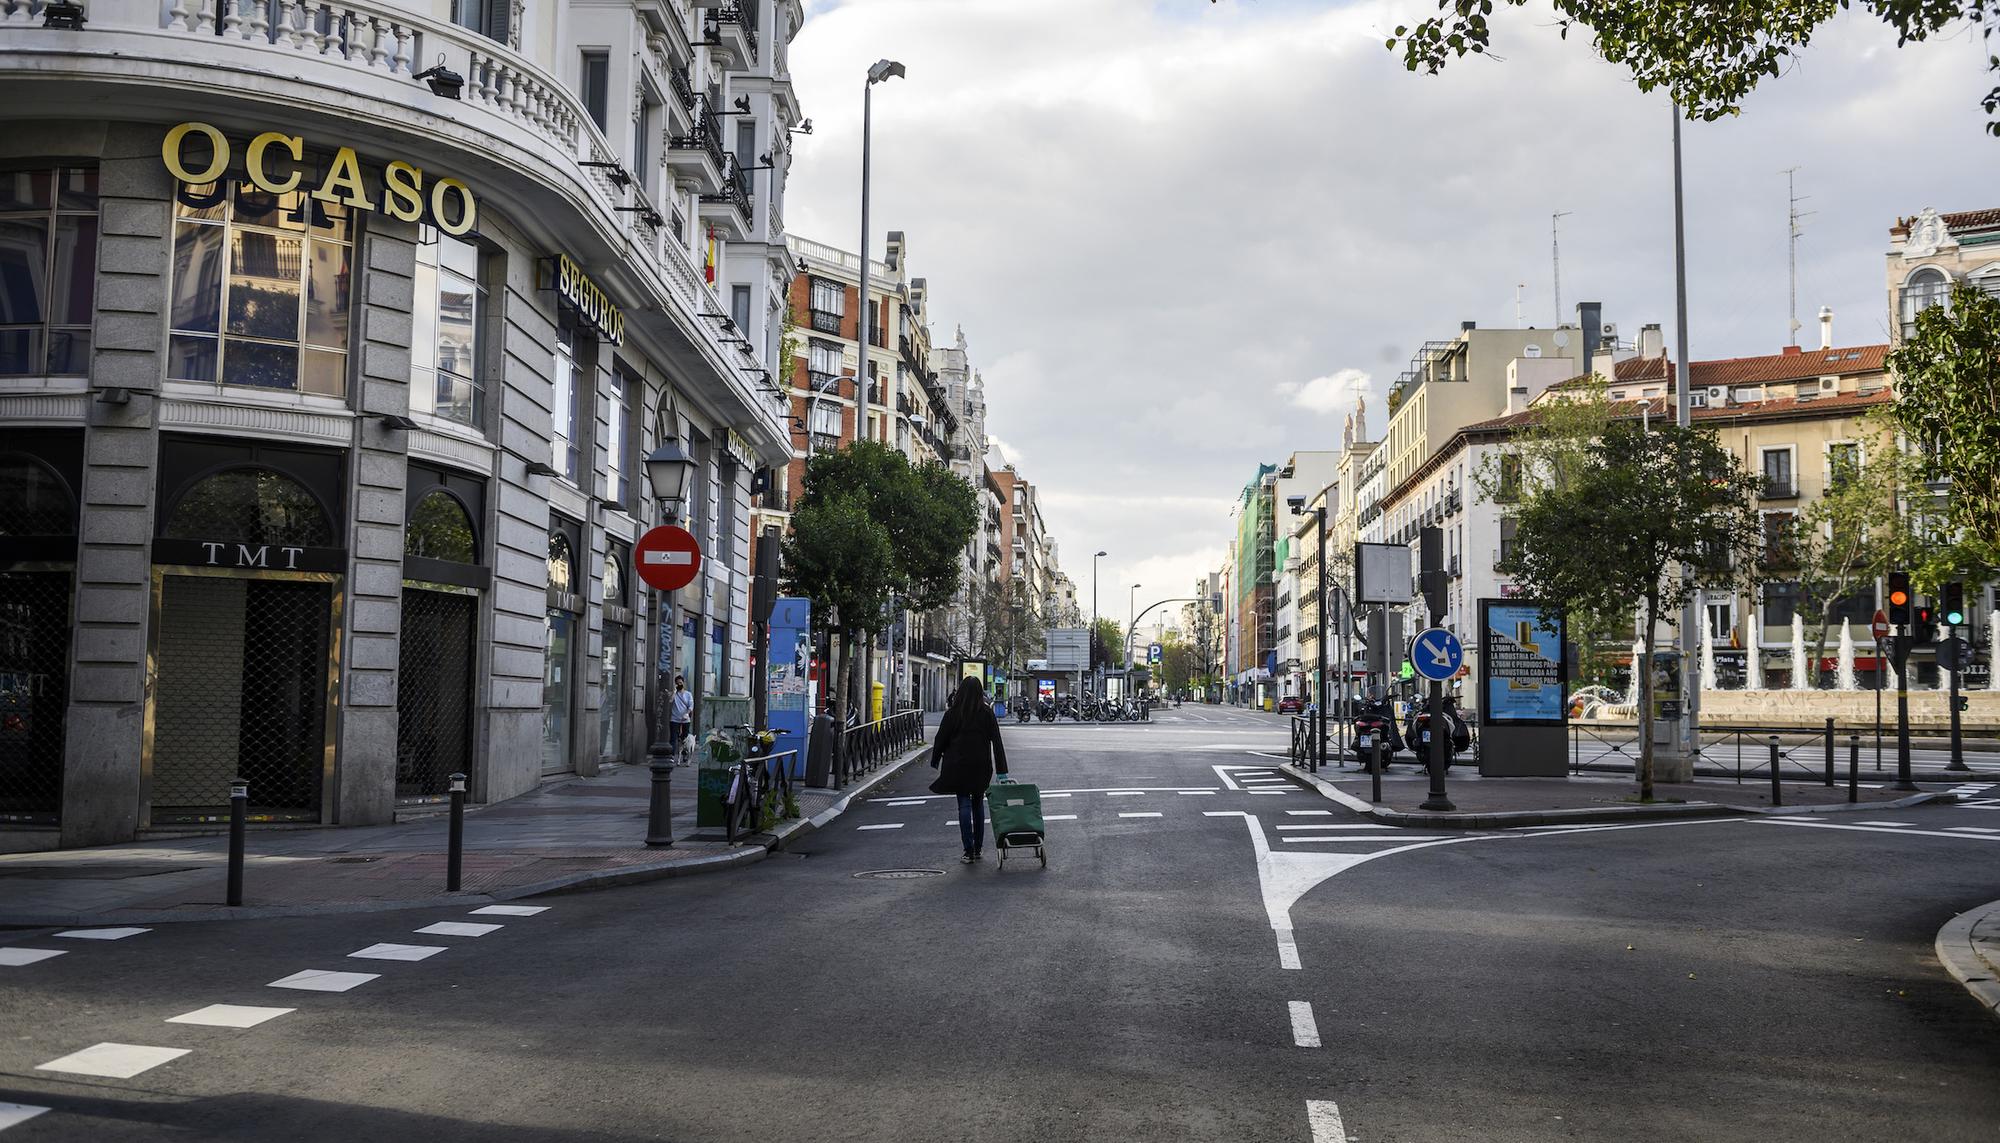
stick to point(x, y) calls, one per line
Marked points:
point(972, 821)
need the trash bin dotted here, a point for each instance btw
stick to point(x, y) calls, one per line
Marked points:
point(874, 702)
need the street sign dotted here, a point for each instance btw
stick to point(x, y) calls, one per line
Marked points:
point(1880, 626)
point(1153, 652)
point(1436, 654)
point(1954, 654)
point(1382, 573)
point(667, 558)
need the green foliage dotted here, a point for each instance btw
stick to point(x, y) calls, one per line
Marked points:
point(1708, 56)
point(839, 556)
point(1637, 504)
point(1948, 404)
point(1108, 643)
point(1003, 626)
point(1849, 535)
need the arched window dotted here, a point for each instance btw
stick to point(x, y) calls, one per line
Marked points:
point(33, 499)
point(251, 506)
point(440, 529)
point(1927, 287)
point(562, 563)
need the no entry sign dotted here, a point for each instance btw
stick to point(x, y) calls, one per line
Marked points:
point(1880, 627)
point(667, 558)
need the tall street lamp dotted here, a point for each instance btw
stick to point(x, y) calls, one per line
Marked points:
point(1298, 505)
point(1093, 615)
point(883, 70)
point(667, 470)
point(1131, 601)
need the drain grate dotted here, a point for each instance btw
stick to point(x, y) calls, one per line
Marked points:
point(900, 874)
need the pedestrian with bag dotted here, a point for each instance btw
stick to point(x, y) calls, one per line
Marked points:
point(967, 754)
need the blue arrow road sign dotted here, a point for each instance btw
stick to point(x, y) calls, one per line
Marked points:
point(1436, 654)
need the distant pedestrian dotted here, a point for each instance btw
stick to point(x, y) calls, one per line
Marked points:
point(967, 754)
point(680, 715)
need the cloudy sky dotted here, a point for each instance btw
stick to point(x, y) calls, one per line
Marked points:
point(1181, 237)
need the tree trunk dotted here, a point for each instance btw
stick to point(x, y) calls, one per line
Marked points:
point(847, 665)
point(1645, 672)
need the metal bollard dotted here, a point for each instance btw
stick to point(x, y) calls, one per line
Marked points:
point(239, 803)
point(1853, 768)
point(1375, 768)
point(455, 842)
point(1829, 754)
point(1777, 794)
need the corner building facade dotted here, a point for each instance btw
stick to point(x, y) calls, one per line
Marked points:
point(326, 387)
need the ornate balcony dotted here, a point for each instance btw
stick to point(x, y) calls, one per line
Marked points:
point(698, 154)
point(729, 209)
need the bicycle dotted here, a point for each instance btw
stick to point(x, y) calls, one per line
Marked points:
point(742, 801)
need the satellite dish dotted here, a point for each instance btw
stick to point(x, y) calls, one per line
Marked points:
point(1531, 350)
point(1562, 339)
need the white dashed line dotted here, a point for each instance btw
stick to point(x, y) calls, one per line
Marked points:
point(458, 929)
point(510, 910)
point(1270, 791)
point(1310, 813)
point(1886, 825)
point(1189, 793)
point(1058, 817)
point(1057, 795)
point(891, 825)
point(16, 957)
point(1324, 1116)
point(1796, 822)
point(1140, 815)
point(103, 934)
point(398, 952)
point(113, 1061)
point(1124, 793)
point(229, 1016)
point(322, 980)
point(1336, 825)
point(1954, 829)
point(1305, 1031)
point(15, 1114)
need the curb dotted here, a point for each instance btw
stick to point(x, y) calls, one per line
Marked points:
point(1958, 949)
point(1514, 818)
point(574, 883)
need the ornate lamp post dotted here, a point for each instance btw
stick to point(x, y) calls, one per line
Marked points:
point(667, 470)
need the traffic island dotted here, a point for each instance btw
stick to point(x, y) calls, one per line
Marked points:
point(1969, 948)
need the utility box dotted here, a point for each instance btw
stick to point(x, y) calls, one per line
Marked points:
point(787, 706)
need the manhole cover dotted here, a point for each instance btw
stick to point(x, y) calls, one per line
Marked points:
point(901, 874)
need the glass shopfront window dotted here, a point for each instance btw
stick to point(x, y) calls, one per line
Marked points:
point(445, 333)
point(570, 384)
point(48, 271)
point(262, 290)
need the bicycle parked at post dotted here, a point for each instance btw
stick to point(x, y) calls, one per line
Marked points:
point(744, 750)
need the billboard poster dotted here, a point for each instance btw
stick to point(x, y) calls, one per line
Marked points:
point(972, 669)
point(1523, 675)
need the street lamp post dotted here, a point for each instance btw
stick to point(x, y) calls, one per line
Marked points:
point(883, 70)
point(667, 471)
point(1092, 641)
point(1131, 601)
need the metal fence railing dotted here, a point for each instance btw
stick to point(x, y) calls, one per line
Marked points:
point(1739, 751)
point(859, 749)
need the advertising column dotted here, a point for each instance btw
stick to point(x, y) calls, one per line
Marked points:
point(1523, 687)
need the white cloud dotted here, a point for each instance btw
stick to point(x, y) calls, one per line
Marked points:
point(1151, 216)
point(1334, 392)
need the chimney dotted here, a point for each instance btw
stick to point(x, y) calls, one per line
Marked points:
point(1826, 327)
point(1652, 343)
point(1590, 320)
point(1467, 326)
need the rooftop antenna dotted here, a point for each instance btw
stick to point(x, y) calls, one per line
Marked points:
point(1792, 217)
point(1519, 321)
point(1556, 255)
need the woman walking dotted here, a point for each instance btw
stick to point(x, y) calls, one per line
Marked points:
point(966, 756)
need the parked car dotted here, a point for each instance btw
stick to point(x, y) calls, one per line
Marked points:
point(1291, 704)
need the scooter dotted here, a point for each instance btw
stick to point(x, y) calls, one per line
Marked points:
point(1021, 712)
point(1376, 722)
point(1459, 736)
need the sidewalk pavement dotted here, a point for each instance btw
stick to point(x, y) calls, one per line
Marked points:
point(571, 834)
point(1499, 803)
point(1969, 948)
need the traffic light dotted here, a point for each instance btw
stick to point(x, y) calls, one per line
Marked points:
point(1960, 702)
point(1924, 628)
point(1899, 597)
point(1954, 604)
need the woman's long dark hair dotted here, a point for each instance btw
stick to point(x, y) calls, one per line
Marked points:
point(970, 699)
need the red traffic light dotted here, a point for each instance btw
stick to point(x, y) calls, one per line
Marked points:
point(1899, 598)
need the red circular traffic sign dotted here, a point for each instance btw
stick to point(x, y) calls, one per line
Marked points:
point(667, 557)
point(1880, 627)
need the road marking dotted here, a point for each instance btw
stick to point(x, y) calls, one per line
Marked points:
point(1186, 793)
point(15, 1114)
point(458, 929)
point(1954, 829)
point(1223, 772)
point(510, 910)
point(1310, 813)
point(103, 934)
point(1305, 1033)
point(1886, 825)
point(1876, 829)
point(1058, 817)
point(1336, 825)
point(322, 980)
point(229, 1016)
point(899, 805)
point(1124, 793)
point(113, 1061)
point(1141, 815)
point(398, 952)
point(16, 957)
point(1324, 1116)
point(1270, 791)
point(1338, 837)
point(1057, 795)
point(892, 825)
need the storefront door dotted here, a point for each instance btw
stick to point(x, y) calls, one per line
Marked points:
point(435, 665)
point(565, 608)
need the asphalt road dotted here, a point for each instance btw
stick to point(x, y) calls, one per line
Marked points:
point(1718, 981)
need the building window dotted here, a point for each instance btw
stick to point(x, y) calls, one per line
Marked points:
point(445, 328)
point(596, 86)
point(617, 441)
point(1778, 481)
point(48, 271)
point(569, 385)
point(1509, 488)
point(739, 309)
point(829, 305)
point(1843, 464)
point(487, 17)
point(1781, 601)
point(823, 365)
point(746, 154)
point(261, 290)
point(644, 125)
point(1778, 546)
point(1928, 287)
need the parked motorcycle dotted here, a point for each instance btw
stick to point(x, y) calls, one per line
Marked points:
point(1045, 710)
point(1376, 722)
point(1419, 731)
point(1021, 712)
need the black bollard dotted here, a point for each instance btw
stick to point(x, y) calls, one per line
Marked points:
point(455, 842)
point(1777, 794)
point(1853, 768)
point(1375, 768)
point(239, 802)
point(1829, 754)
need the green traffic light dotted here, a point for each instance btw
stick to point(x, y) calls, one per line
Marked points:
point(1955, 618)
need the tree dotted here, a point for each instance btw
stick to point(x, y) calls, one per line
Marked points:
point(1641, 501)
point(1948, 404)
point(1011, 632)
point(1107, 643)
point(840, 557)
point(1708, 57)
point(1180, 663)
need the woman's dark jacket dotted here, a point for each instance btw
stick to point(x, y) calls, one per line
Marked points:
point(967, 752)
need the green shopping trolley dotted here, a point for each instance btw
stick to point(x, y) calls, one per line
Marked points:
point(1016, 812)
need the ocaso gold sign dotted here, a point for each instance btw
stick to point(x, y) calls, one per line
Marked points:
point(397, 191)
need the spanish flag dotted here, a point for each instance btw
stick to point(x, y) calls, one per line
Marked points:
point(708, 258)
